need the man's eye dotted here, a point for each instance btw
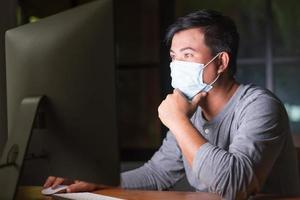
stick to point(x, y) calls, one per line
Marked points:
point(188, 55)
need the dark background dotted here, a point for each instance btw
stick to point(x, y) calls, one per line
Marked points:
point(269, 56)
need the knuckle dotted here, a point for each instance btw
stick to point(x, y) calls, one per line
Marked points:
point(159, 108)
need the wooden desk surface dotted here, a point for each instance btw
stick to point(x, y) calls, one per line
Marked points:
point(34, 193)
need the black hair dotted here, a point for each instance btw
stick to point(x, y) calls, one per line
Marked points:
point(220, 32)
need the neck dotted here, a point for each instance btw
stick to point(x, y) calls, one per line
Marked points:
point(218, 97)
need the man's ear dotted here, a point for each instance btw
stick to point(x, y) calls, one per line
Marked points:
point(224, 61)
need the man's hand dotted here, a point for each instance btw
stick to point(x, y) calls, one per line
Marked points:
point(175, 113)
point(74, 186)
point(176, 108)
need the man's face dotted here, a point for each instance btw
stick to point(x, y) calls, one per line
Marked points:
point(188, 45)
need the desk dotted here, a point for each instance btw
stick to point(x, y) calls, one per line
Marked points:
point(34, 193)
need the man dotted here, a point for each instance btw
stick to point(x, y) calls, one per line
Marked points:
point(227, 138)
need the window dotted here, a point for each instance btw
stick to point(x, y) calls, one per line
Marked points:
point(269, 53)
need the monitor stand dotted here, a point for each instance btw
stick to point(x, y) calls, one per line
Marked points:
point(15, 148)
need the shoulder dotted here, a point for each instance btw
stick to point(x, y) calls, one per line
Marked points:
point(252, 95)
point(252, 92)
point(257, 102)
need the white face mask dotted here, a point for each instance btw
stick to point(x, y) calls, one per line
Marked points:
point(188, 77)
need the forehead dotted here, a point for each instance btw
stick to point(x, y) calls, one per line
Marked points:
point(193, 38)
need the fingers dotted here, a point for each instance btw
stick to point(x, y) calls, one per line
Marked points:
point(177, 91)
point(81, 186)
point(53, 181)
point(49, 182)
point(198, 98)
point(58, 181)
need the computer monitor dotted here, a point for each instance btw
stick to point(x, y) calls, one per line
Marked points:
point(69, 59)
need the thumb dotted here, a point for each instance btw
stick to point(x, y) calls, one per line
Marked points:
point(76, 187)
point(81, 187)
point(196, 100)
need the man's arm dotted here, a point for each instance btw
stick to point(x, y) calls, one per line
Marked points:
point(242, 169)
point(163, 170)
point(175, 113)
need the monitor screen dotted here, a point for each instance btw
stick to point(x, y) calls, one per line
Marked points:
point(69, 58)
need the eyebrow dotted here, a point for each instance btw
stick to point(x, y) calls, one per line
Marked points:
point(183, 49)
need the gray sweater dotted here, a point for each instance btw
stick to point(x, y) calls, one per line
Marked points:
point(249, 150)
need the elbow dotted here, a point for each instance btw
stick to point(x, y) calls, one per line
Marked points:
point(230, 191)
point(234, 182)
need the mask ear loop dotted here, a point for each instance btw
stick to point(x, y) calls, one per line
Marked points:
point(212, 59)
point(213, 82)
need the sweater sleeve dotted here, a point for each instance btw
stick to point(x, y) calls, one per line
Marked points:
point(162, 171)
point(242, 170)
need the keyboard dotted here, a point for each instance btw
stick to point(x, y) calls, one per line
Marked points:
point(83, 196)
